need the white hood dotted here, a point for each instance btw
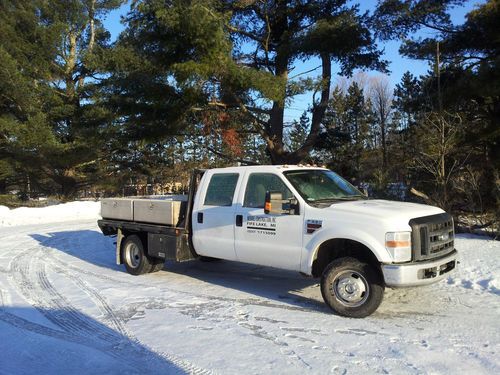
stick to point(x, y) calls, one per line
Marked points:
point(393, 211)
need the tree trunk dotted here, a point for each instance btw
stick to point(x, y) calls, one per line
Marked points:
point(70, 66)
point(278, 155)
point(276, 119)
point(90, 47)
point(275, 147)
point(91, 26)
point(383, 129)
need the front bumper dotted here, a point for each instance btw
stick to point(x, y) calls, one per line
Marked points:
point(421, 273)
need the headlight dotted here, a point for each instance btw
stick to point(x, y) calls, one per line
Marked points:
point(399, 245)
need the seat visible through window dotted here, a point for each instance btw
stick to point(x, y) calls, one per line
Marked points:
point(257, 186)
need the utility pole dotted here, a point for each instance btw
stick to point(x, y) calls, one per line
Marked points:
point(438, 76)
point(442, 128)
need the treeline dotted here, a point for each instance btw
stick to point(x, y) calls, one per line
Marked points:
point(206, 83)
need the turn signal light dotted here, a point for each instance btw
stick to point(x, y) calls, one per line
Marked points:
point(398, 244)
point(267, 206)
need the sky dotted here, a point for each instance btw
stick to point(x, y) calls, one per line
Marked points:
point(398, 64)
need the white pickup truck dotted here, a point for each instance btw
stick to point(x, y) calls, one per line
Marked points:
point(299, 218)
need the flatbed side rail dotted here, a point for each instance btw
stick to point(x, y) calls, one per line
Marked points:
point(110, 227)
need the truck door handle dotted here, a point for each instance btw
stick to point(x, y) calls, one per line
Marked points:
point(239, 220)
point(200, 217)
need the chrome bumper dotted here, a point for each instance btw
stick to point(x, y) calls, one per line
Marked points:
point(421, 273)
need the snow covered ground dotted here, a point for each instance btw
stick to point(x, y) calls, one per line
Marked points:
point(65, 307)
point(61, 212)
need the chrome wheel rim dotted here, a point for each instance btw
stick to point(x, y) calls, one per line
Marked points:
point(133, 255)
point(350, 288)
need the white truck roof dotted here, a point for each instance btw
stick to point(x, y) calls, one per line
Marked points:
point(267, 168)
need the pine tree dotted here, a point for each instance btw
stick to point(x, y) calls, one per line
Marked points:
point(460, 97)
point(183, 59)
point(298, 132)
point(407, 100)
point(47, 116)
point(346, 131)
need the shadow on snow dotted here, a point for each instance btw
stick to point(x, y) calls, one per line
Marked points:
point(50, 341)
point(270, 283)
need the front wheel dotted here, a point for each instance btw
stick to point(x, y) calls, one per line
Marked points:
point(352, 288)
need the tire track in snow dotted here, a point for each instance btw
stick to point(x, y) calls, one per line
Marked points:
point(46, 248)
point(181, 366)
point(304, 305)
point(30, 326)
point(29, 275)
point(108, 314)
point(157, 284)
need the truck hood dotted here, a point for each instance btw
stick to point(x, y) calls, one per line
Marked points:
point(389, 211)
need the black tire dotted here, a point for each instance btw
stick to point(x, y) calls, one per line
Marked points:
point(133, 256)
point(352, 288)
point(157, 265)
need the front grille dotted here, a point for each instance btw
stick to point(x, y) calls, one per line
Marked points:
point(432, 236)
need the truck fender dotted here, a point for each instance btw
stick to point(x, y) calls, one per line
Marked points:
point(311, 249)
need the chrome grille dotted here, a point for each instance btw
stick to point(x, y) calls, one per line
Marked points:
point(432, 236)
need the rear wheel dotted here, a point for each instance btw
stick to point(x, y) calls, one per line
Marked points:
point(135, 259)
point(352, 288)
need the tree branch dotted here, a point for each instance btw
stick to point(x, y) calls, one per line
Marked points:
point(245, 33)
point(225, 156)
point(319, 109)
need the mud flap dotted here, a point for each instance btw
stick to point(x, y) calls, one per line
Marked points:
point(119, 239)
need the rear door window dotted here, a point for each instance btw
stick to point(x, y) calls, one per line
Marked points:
point(220, 191)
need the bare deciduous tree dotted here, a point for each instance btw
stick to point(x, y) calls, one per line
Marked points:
point(381, 95)
point(438, 134)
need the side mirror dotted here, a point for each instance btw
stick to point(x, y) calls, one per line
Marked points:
point(276, 205)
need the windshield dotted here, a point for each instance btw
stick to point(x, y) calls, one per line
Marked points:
point(322, 186)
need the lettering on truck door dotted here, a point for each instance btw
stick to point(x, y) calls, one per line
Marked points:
point(271, 240)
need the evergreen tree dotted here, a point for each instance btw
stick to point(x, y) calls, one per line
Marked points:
point(47, 117)
point(346, 131)
point(184, 58)
point(407, 100)
point(298, 132)
point(461, 94)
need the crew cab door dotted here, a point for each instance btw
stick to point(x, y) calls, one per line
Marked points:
point(270, 240)
point(213, 216)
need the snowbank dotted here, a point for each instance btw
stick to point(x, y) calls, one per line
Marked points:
point(62, 212)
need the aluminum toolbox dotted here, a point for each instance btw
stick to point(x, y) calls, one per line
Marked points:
point(117, 208)
point(157, 211)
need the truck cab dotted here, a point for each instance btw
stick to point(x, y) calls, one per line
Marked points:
point(299, 218)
